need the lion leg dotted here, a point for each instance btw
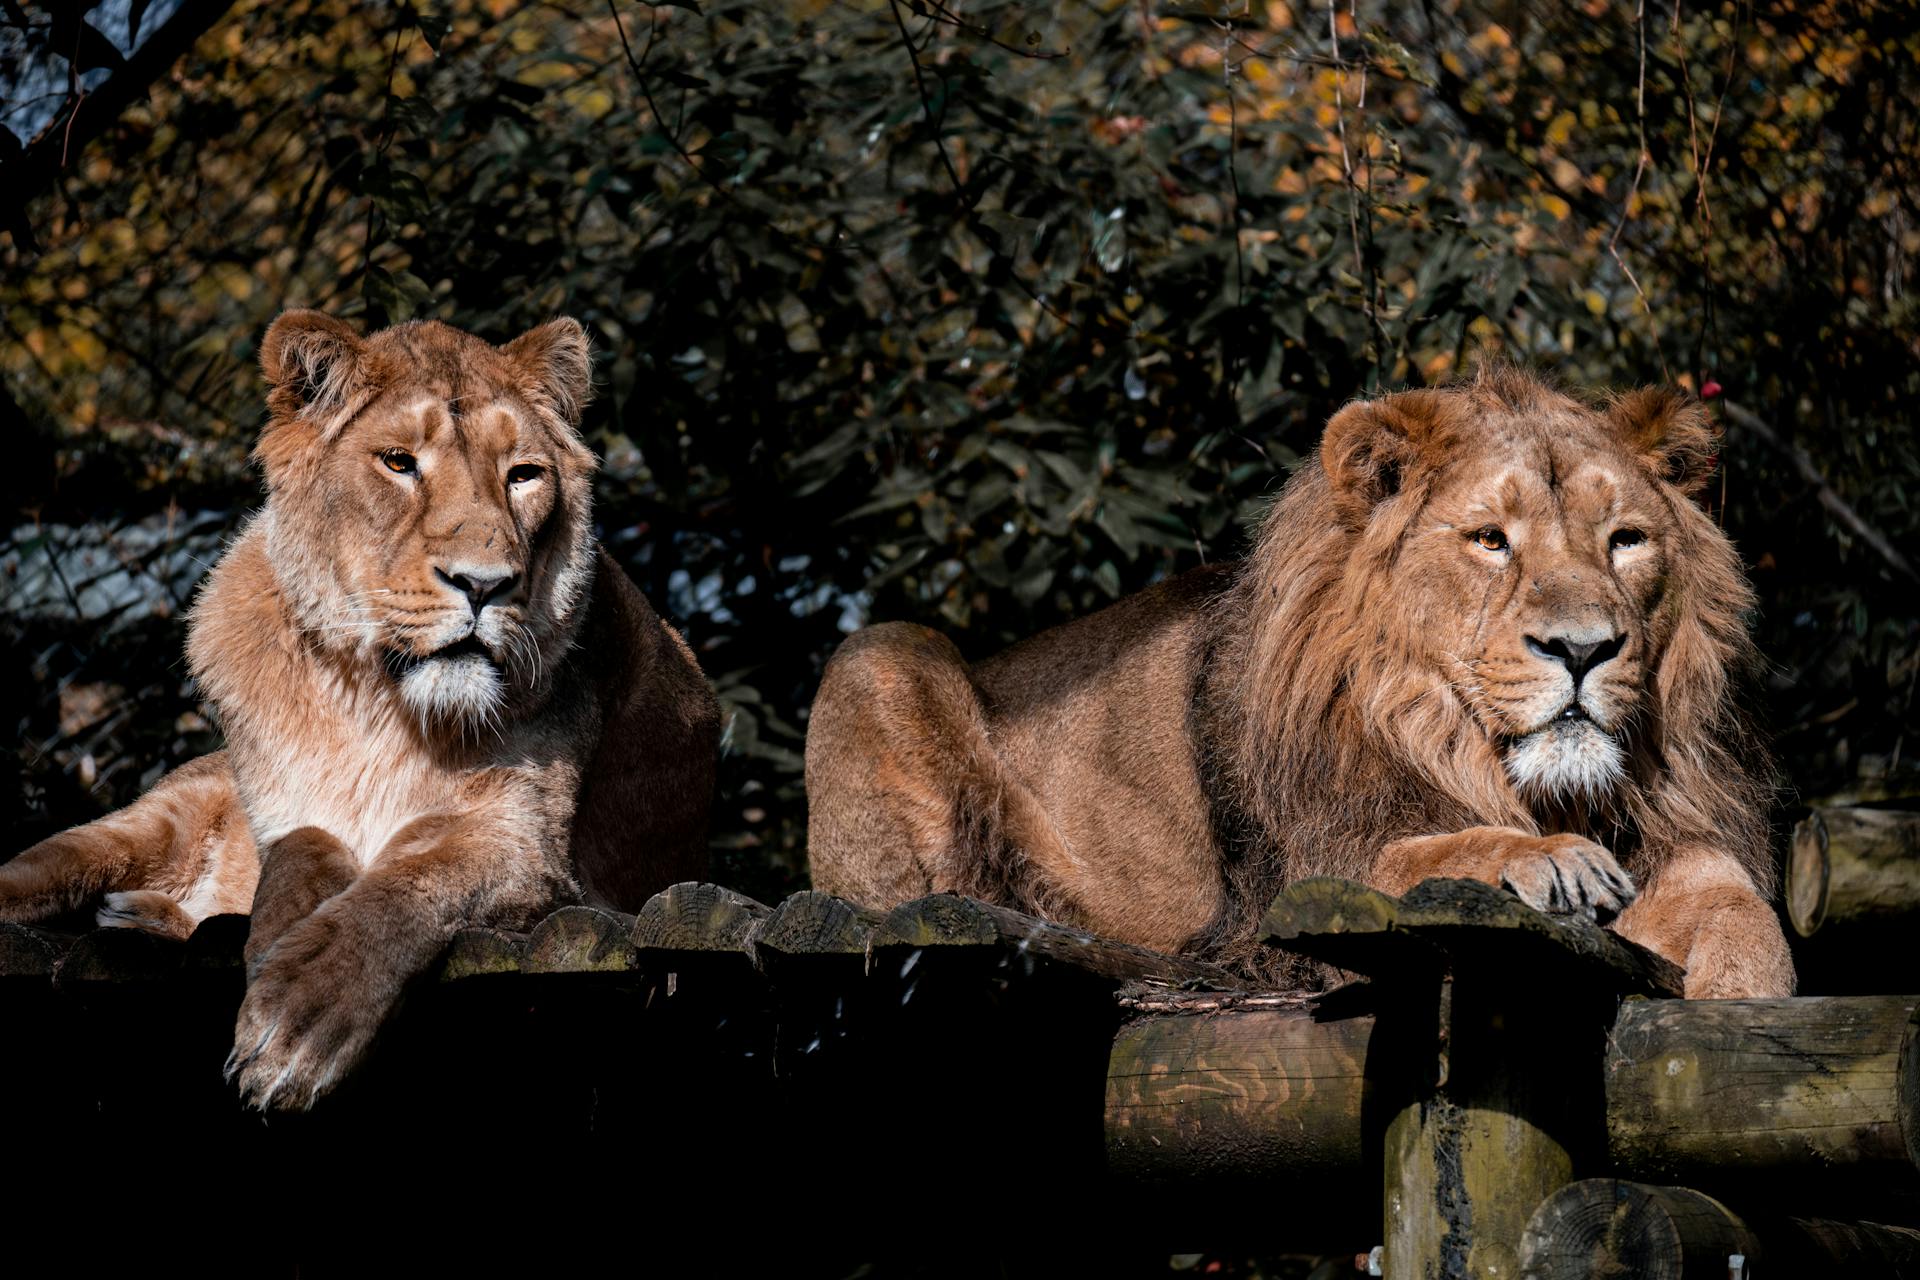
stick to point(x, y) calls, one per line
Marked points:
point(906, 795)
point(185, 840)
point(299, 871)
point(1561, 874)
point(1702, 912)
point(315, 1000)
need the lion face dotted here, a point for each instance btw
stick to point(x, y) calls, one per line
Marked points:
point(1529, 544)
point(428, 503)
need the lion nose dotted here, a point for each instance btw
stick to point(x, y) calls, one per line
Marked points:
point(1576, 655)
point(477, 585)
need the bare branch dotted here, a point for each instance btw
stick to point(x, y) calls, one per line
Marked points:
point(1747, 420)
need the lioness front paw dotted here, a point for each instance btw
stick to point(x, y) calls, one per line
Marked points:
point(147, 910)
point(309, 1015)
point(1568, 875)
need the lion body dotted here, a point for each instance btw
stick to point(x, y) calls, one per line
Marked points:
point(1485, 634)
point(443, 703)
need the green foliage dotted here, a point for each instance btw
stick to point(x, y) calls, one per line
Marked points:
point(985, 316)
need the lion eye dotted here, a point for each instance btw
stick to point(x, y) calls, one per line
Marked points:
point(524, 473)
point(1491, 539)
point(399, 461)
point(1625, 538)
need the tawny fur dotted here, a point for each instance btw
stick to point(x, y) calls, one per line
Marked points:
point(382, 787)
point(1373, 693)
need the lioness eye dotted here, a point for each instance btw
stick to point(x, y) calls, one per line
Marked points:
point(523, 473)
point(1625, 538)
point(1491, 539)
point(399, 461)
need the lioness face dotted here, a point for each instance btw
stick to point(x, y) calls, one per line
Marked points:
point(439, 517)
point(1558, 539)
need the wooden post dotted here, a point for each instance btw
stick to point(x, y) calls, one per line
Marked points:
point(1741, 1093)
point(1495, 1017)
point(1604, 1227)
point(1852, 865)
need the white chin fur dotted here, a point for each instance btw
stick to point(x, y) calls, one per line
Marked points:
point(465, 689)
point(1575, 758)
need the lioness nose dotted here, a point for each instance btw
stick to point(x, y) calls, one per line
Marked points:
point(477, 585)
point(1578, 656)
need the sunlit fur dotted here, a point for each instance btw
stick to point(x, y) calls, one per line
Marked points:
point(1360, 698)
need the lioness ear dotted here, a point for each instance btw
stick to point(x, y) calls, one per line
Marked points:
point(313, 363)
point(557, 364)
point(1671, 433)
point(1369, 447)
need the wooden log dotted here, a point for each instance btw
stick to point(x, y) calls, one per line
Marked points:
point(1465, 921)
point(1853, 865)
point(1604, 1227)
point(950, 923)
point(1699, 1089)
point(581, 940)
point(1271, 1096)
point(698, 918)
point(26, 952)
point(816, 924)
point(479, 952)
point(121, 956)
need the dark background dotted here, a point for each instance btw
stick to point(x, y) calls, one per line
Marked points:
point(980, 315)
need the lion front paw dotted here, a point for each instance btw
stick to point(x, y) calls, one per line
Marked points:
point(1568, 875)
point(309, 1016)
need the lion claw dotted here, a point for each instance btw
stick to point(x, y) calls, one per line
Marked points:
point(1570, 876)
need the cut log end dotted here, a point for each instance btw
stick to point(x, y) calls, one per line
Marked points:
point(1605, 1227)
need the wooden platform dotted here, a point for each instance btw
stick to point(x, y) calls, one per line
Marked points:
point(836, 1061)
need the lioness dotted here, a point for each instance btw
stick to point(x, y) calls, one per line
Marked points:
point(1485, 634)
point(443, 703)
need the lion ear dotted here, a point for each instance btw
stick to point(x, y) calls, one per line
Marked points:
point(1369, 446)
point(557, 362)
point(313, 363)
point(1670, 432)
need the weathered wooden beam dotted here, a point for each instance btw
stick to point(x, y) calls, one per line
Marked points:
point(950, 923)
point(581, 940)
point(1853, 865)
point(1462, 921)
point(1605, 1227)
point(1270, 1096)
point(1698, 1090)
point(698, 918)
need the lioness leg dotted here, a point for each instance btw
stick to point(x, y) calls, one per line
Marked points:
point(906, 795)
point(1702, 912)
point(1559, 873)
point(316, 998)
point(300, 871)
point(185, 839)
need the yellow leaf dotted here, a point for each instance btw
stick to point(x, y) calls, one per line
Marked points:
point(1561, 129)
point(1596, 302)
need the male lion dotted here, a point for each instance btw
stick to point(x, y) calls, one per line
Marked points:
point(443, 703)
point(1486, 634)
